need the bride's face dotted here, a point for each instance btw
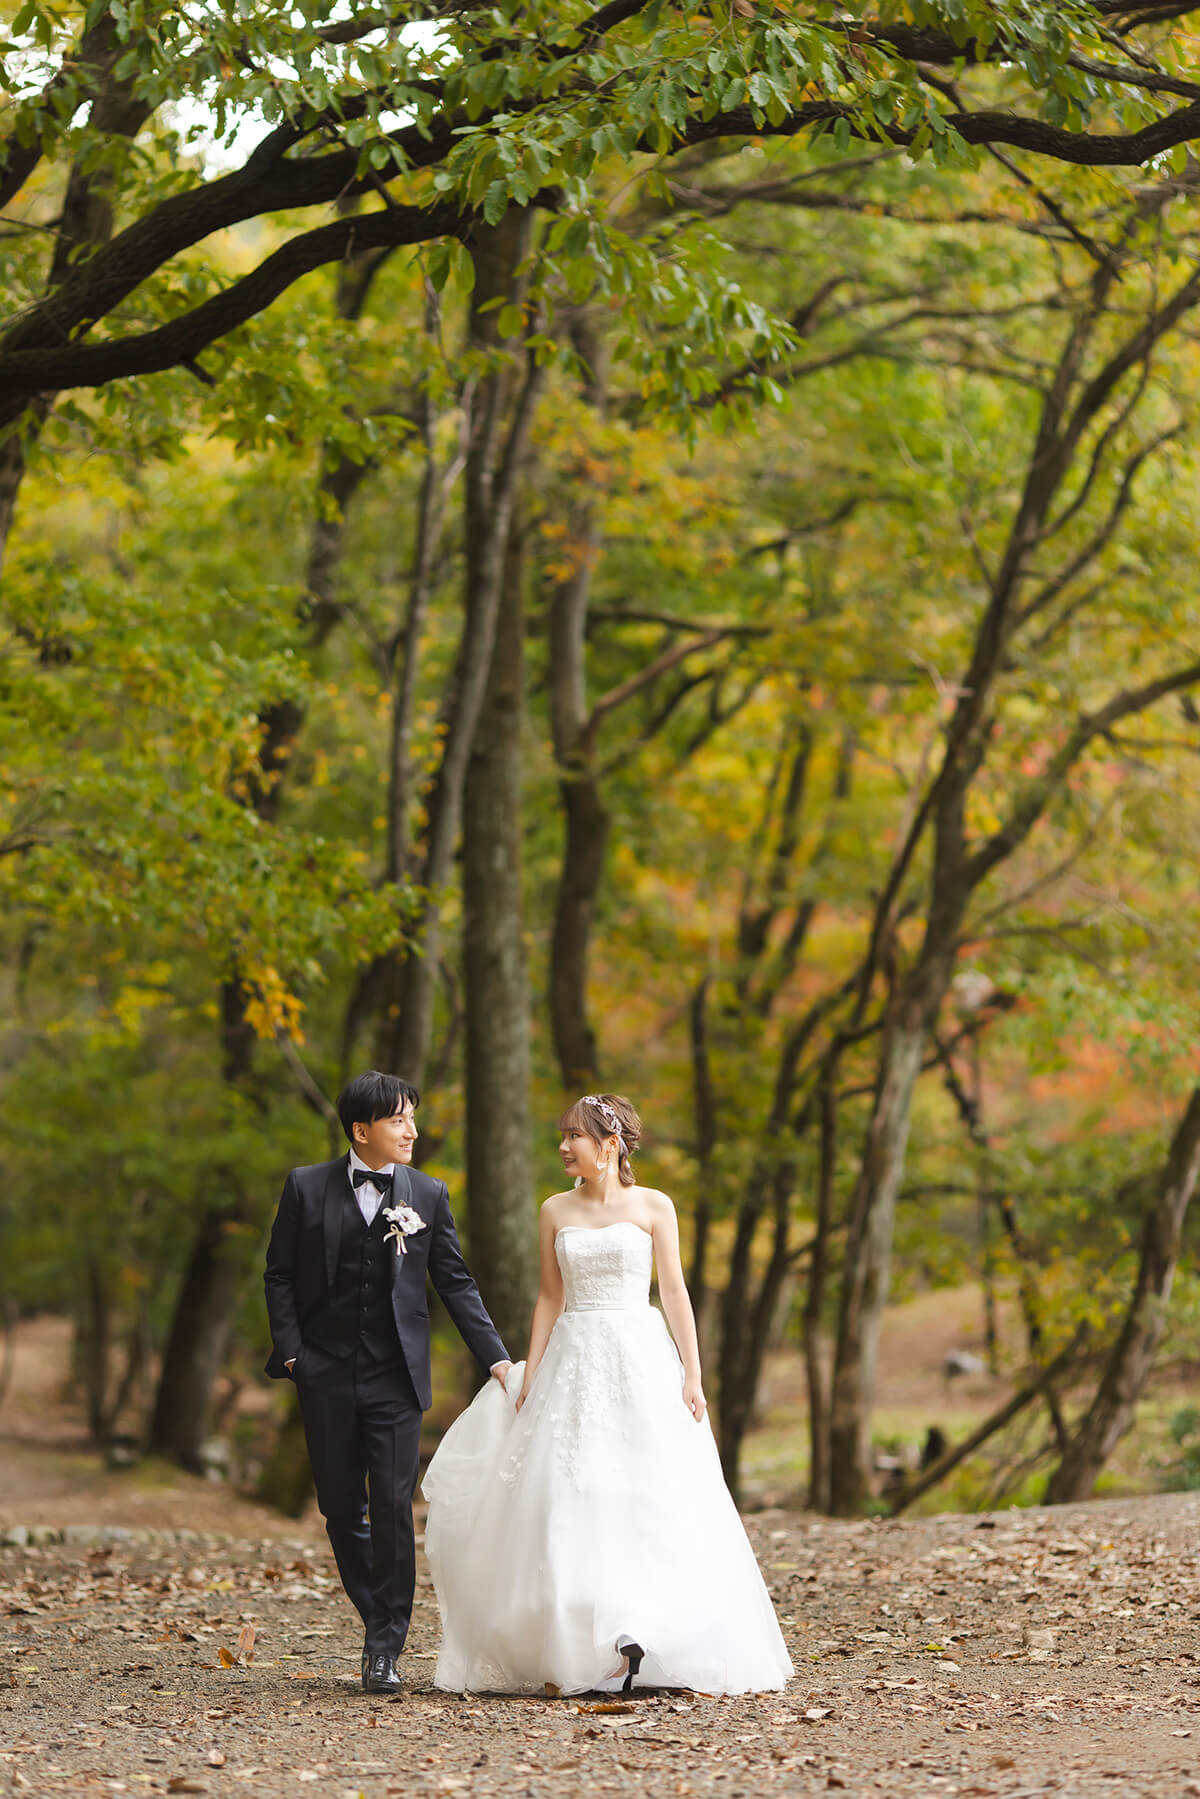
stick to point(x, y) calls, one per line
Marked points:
point(582, 1156)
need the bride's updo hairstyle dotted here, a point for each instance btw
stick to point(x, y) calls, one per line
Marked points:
point(602, 1115)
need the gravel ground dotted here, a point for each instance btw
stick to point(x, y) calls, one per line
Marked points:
point(1023, 1653)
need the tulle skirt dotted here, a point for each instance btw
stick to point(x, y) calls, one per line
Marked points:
point(597, 1514)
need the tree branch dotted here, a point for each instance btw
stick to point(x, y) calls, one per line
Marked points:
point(1024, 1396)
point(645, 677)
point(1084, 149)
point(1038, 791)
point(1103, 534)
point(314, 1095)
point(182, 339)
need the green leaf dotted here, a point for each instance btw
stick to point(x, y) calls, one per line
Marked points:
point(495, 202)
point(437, 265)
point(579, 232)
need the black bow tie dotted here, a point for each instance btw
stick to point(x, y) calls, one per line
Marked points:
point(380, 1180)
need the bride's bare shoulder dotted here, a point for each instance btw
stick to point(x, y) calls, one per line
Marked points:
point(658, 1205)
point(553, 1207)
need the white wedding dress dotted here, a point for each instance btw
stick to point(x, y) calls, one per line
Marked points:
point(595, 1514)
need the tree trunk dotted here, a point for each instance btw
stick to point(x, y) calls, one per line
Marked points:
point(86, 219)
point(587, 827)
point(814, 1305)
point(1111, 1412)
point(211, 1289)
point(868, 1261)
point(987, 1276)
point(286, 1481)
point(587, 819)
point(705, 1115)
point(95, 1346)
point(496, 982)
point(201, 1327)
point(737, 1379)
point(747, 1315)
point(503, 412)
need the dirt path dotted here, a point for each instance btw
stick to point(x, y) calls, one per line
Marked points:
point(1027, 1653)
point(1024, 1653)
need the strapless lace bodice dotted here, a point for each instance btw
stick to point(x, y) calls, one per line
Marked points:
point(605, 1269)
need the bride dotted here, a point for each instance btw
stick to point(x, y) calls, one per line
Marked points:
point(580, 1532)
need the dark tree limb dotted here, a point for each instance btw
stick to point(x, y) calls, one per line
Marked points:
point(272, 180)
point(1083, 149)
point(970, 1113)
point(704, 1113)
point(1024, 1396)
point(816, 1373)
point(24, 371)
point(586, 817)
point(1111, 1411)
point(646, 677)
point(1036, 793)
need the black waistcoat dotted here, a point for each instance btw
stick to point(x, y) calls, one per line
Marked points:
point(358, 1307)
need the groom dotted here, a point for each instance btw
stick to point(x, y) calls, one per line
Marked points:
point(350, 1325)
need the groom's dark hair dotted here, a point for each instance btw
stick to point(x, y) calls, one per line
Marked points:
point(371, 1096)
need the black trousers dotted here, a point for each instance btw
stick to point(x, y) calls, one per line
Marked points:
point(363, 1427)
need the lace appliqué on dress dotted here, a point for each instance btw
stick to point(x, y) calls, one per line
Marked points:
point(588, 1395)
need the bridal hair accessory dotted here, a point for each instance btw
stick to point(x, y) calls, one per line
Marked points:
point(405, 1223)
point(607, 1112)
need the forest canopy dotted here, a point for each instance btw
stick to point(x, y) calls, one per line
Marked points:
point(554, 546)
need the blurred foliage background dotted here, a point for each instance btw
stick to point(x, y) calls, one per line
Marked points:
point(696, 598)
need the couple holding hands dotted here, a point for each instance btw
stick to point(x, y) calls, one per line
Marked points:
point(580, 1532)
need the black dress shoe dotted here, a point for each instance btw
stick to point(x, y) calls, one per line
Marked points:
point(380, 1676)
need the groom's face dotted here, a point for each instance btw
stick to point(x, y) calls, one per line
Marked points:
point(387, 1139)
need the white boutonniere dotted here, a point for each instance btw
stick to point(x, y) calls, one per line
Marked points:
point(404, 1223)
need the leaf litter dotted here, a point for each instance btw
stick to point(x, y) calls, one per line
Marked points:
point(231, 1667)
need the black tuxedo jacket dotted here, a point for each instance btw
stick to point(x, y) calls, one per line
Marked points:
point(302, 1260)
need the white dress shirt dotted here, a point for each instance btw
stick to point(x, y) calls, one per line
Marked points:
point(369, 1199)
